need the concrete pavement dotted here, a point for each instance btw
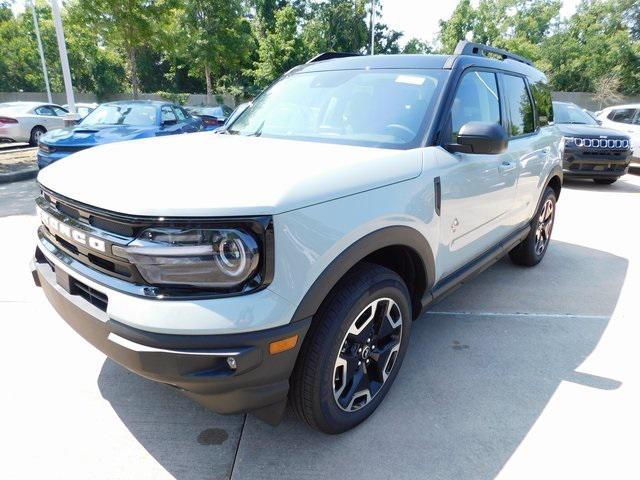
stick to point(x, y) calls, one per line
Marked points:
point(522, 373)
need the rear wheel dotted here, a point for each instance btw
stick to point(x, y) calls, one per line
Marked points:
point(604, 181)
point(354, 350)
point(532, 249)
point(36, 133)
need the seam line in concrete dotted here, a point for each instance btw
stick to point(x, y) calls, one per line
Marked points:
point(521, 314)
point(235, 457)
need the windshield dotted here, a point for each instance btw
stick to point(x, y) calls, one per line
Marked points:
point(377, 108)
point(570, 113)
point(122, 114)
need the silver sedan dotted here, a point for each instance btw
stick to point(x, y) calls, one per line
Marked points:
point(28, 121)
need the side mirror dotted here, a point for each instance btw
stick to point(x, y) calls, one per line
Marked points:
point(480, 138)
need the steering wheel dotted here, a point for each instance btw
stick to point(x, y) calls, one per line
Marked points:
point(405, 130)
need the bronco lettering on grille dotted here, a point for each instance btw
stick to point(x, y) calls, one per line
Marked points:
point(76, 236)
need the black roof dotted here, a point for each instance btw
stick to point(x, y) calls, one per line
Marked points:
point(402, 61)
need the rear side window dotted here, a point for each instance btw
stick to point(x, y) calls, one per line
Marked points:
point(519, 106)
point(542, 99)
point(476, 101)
point(623, 115)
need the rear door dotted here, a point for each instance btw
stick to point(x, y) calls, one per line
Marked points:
point(529, 147)
point(477, 190)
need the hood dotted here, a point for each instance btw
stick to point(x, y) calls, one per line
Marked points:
point(573, 130)
point(205, 174)
point(91, 135)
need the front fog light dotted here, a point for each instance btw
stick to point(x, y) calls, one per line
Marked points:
point(218, 258)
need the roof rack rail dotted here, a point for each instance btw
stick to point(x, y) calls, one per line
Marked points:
point(331, 56)
point(470, 48)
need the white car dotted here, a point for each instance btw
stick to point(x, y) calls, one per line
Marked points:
point(83, 109)
point(28, 121)
point(288, 256)
point(625, 118)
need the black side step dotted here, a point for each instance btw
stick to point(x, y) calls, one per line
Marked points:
point(454, 280)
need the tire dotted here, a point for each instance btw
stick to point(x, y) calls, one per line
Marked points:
point(605, 181)
point(327, 370)
point(532, 249)
point(36, 133)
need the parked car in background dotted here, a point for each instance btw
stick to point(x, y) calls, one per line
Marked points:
point(117, 122)
point(28, 121)
point(625, 118)
point(212, 117)
point(589, 149)
point(83, 109)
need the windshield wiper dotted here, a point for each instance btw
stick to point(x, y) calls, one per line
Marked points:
point(258, 131)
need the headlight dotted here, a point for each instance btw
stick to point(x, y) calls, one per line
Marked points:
point(214, 258)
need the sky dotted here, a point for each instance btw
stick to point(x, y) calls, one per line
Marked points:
point(419, 18)
point(416, 18)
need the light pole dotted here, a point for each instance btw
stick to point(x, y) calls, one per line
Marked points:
point(41, 51)
point(373, 24)
point(64, 62)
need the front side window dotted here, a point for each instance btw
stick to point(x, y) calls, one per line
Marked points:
point(623, 115)
point(476, 100)
point(60, 112)
point(519, 105)
point(167, 114)
point(376, 108)
point(180, 114)
point(122, 114)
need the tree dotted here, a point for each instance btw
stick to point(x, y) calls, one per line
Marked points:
point(218, 37)
point(280, 49)
point(415, 45)
point(607, 89)
point(128, 25)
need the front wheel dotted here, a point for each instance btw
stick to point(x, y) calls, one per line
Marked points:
point(532, 249)
point(353, 351)
point(604, 181)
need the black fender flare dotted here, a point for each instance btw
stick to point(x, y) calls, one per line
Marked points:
point(385, 237)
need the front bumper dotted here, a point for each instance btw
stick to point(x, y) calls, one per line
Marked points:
point(195, 364)
point(45, 159)
point(587, 164)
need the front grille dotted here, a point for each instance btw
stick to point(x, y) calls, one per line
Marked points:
point(96, 298)
point(96, 225)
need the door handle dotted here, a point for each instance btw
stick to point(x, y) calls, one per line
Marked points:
point(506, 166)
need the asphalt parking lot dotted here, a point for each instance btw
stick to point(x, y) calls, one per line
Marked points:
point(522, 373)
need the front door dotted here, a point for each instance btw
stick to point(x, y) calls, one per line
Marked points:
point(478, 191)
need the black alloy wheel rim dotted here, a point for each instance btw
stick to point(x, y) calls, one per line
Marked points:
point(545, 225)
point(367, 354)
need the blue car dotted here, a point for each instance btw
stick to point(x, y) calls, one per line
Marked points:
point(117, 122)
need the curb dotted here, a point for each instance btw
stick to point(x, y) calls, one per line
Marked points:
point(25, 174)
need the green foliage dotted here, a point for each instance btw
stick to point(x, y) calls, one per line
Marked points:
point(179, 98)
point(238, 47)
point(280, 49)
point(417, 46)
point(597, 40)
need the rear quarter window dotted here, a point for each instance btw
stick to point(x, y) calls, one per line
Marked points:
point(542, 99)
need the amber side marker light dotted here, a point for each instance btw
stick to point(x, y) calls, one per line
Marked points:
point(283, 345)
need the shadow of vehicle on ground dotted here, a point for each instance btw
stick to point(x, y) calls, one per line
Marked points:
point(471, 387)
point(620, 186)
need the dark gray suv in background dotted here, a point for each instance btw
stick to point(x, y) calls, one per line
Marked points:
point(590, 150)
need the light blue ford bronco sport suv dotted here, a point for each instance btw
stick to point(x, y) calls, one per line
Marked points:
point(286, 257)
